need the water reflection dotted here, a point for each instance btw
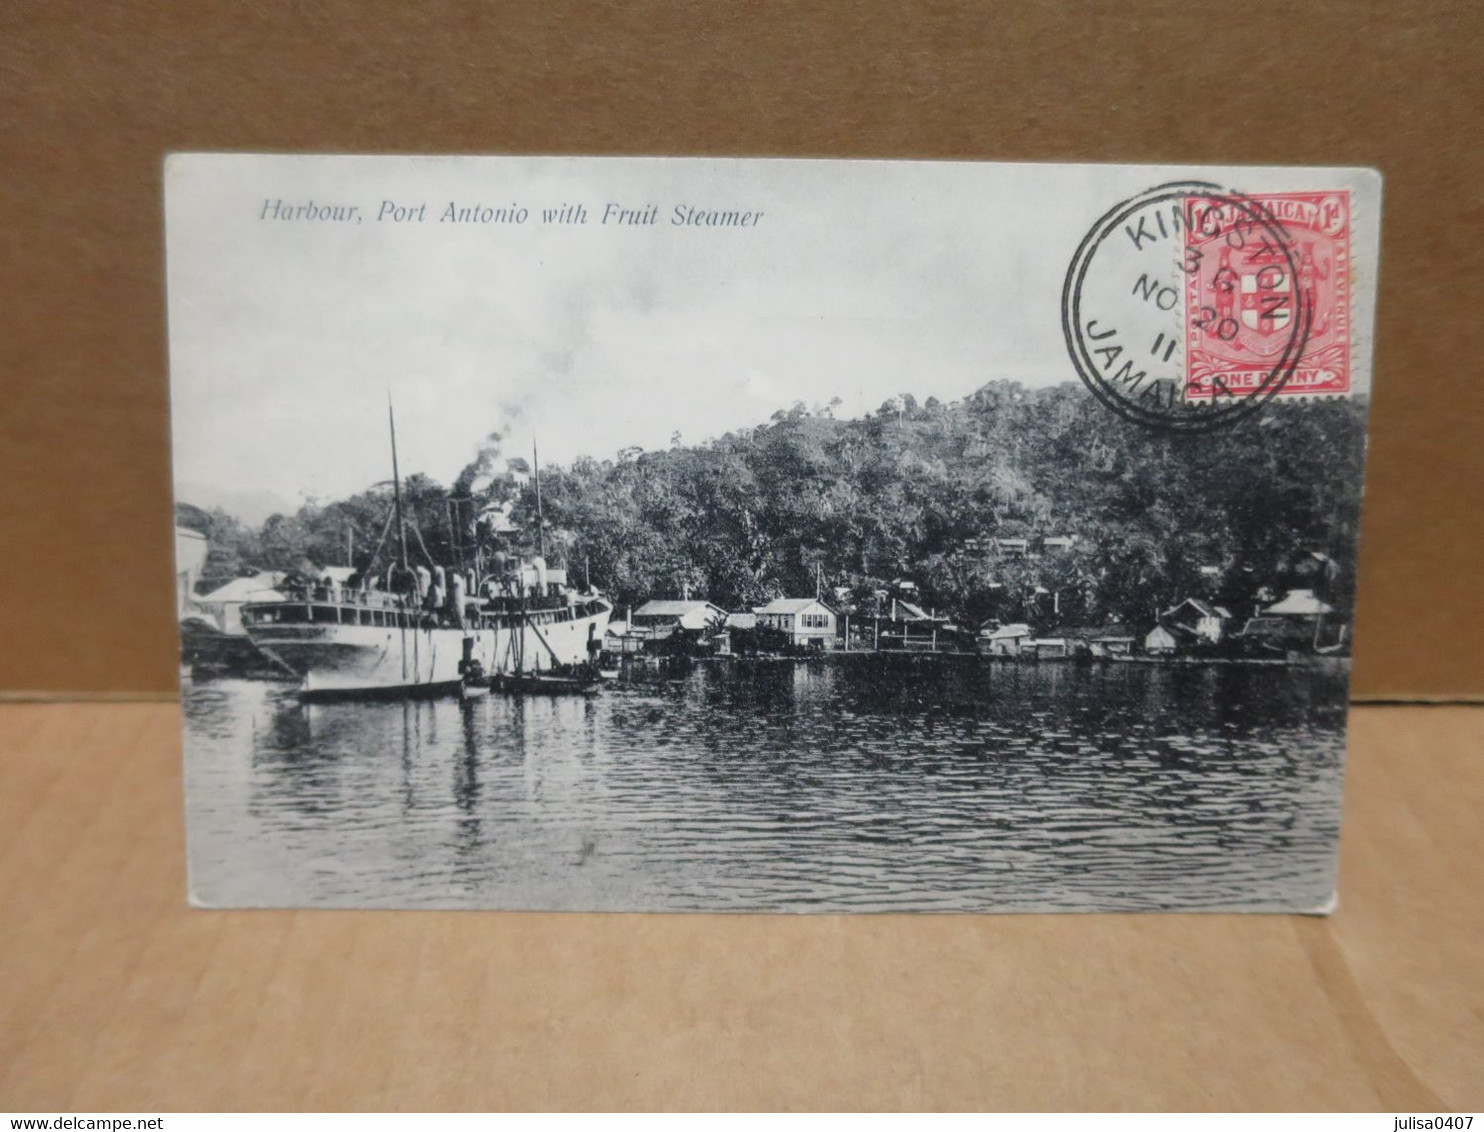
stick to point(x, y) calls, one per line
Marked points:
point(869, 782)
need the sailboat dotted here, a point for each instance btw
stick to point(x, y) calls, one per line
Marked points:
point(417, 632)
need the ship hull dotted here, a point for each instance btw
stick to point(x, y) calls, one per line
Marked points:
point(207, 651)
point(349, 661)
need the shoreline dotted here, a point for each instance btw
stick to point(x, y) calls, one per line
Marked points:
point(1301, 661)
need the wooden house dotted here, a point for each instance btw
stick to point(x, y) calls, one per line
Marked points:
point(622, 639)
point(807, 621)
point(1005, 640)
point(517, 471)
point(1047, 648)
point(1160, 641)
point(1012, 547)
point(1112, 644)
point(1203, 621)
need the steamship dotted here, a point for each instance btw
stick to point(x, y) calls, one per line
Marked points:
point(369, 643)
point(428, 631)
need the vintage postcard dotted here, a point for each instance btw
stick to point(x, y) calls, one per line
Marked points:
point(766, 535)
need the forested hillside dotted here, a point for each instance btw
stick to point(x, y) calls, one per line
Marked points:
point(913, 490)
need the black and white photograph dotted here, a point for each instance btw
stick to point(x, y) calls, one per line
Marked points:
point(624, 534)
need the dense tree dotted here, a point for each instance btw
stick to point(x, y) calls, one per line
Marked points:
point(233, 547)
point(918, 491)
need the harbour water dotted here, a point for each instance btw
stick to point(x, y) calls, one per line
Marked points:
point(864, 783)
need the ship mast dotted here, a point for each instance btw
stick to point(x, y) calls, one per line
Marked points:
point(397, 486)
point(540, 522)
point(402, 618)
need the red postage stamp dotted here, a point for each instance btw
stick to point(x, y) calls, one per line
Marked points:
point(1243, 295)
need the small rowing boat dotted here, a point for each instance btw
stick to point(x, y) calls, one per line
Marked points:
point(543, 684)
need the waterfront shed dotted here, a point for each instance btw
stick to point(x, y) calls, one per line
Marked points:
point(1006, 640)
point(1112, 644)
point(1047, 648)
point(1160, 641)
point(623, 639)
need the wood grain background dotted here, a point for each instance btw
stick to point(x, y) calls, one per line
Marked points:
point(94, 95)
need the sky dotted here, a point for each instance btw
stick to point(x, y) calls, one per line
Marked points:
point(859, 281)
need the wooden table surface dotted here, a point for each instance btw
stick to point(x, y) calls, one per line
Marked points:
point(115, 996)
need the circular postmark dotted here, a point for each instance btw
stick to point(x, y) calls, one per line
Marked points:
point(1167, 288)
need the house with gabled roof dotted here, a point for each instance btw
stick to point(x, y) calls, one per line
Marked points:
point(1298, 603)
point(1203, 621)
point(1003, 640)
point(1162, 640)
point(660, 618)
point(807, 621)
point(517, 471)
point(902, 610)
point(1295, 622)
point(1011, 547)
point(906, 625)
